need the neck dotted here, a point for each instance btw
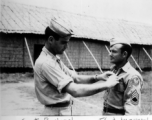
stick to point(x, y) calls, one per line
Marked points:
point(49, 48)
point(120, 65)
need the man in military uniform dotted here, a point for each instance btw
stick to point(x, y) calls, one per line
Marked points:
point(54, 82)
point(125, 97)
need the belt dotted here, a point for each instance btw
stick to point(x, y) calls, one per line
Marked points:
point(114, 110)
point(65, 104)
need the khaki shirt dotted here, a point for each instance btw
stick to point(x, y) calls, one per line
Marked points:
point(127, 93)
point(51, 76)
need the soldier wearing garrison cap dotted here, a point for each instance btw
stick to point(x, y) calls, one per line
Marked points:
point(125, 97)
point(54, 82)
point(60, 29)
point(114, 41)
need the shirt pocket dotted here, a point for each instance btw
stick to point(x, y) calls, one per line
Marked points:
point(120, 87)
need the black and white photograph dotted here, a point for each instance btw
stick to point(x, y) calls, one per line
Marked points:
point(75, 58)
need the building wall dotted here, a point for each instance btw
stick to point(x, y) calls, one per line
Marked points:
point(13, 50)
point(140, 56)
point(14, 54)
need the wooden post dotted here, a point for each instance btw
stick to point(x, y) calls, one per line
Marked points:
point(136, 63)
point(93, 57)
point(107, 49)
point(69, 61)
point(147, 53)
point(29, 52)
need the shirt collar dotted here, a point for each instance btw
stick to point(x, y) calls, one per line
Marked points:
point(55, 57)
point(125, 68)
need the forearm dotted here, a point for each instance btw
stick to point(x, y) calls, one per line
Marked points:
point(92, 78)
point(81, 90)
point(86, 79)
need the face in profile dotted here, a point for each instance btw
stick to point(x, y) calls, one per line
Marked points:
point(116, 56)
point(61, 44)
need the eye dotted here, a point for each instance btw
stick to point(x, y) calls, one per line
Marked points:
point(64, 43)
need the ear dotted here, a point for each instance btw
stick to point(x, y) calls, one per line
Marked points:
point(50, 39)
point(125, 54)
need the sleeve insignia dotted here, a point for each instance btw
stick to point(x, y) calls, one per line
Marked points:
point(136, 80)
point(135, 97)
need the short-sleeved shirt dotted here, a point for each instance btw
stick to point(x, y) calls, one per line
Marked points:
point(127, 93)
point(51, 76)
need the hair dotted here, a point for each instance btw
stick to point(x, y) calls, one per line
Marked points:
point(49, 32)
point(127, 48)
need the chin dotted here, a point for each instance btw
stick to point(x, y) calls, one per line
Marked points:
point(112, 62)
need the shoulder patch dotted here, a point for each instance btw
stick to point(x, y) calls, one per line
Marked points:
point(135, 80)
point(135, 98)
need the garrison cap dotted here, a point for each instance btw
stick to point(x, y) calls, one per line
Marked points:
point(60, 28)
point(114, 41)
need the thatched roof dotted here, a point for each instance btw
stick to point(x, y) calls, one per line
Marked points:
point(19, 18)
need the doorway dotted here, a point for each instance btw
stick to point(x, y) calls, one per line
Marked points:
point(37, 50)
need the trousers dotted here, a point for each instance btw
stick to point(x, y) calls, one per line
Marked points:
point(57, 111)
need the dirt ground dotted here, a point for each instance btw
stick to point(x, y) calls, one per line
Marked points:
point(18, 98)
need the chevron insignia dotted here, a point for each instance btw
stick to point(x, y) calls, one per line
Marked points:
point(135, 98)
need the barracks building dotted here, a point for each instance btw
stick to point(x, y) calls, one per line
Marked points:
point(21, 22)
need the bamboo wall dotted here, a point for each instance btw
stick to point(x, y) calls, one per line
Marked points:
point(13, 53)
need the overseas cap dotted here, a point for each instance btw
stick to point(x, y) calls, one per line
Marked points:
point(60, 27)
point(114, 41)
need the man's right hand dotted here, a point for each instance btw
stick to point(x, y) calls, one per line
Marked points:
point(104, 76)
